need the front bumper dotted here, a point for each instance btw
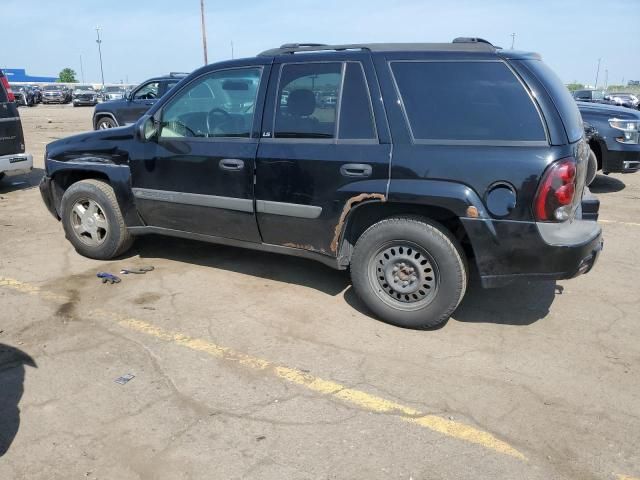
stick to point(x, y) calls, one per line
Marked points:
point(621, 161)
point(79, 101)
point(16, 164)
point(47, 196)
point(507, 251)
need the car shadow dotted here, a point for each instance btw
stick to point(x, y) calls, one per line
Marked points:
point(606, 184)
point(21, 182)
point(521, 303)
point(12, 372)
point(281, 268)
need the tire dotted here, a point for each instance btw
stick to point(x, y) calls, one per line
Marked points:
point(111, 237)
point(75, 104)
point(104, 123)
point(425, 256)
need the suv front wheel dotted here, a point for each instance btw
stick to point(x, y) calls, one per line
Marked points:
point(409, 271)
point(92, 220)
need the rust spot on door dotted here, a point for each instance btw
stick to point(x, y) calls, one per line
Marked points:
point(345, 211)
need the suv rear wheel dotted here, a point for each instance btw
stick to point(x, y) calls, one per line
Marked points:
point(409, 271)
point(92, 220)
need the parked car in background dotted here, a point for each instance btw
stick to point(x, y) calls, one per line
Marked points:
point(13, 159)
point(623, 100)
point(112, 93)
point(53, 94)
point(616, 142)
point(24, 95)
point(37, 91)
point(590, 95)
point(433, 157)
point(84, 95)
point(130, 108)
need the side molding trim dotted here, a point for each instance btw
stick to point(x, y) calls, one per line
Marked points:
point(228, 203)
point(288, 209)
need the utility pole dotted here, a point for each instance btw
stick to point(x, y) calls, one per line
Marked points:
point(232, 50)
point(204, 32)
point(606, 78)
point(81, 70)
point(513, 40)
point(99, 42)
point(597, 74)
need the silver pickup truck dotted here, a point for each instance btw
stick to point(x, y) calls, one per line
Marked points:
point(13, 159)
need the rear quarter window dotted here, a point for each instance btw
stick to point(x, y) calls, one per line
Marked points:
point(466, 101)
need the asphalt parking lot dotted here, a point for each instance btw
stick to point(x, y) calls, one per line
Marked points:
point(253, 365)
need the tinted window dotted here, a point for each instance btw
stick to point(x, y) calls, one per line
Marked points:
point(466, 101)
point(561, 98)
point(220, 104)
point(356, 118)
point(307, 100)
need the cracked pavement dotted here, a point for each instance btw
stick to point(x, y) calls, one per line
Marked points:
point(551, 369)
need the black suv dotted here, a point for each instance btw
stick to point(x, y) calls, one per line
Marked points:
point(432, 157)
point(134, 104)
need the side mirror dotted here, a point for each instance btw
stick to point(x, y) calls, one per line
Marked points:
point(148, 128)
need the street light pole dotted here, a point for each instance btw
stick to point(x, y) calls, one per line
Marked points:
point(204, 32)
point(81, 69)
point(597, 73)
point(513, 40)
point(99, 42)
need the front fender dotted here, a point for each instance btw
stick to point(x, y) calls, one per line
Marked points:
point(118, 176)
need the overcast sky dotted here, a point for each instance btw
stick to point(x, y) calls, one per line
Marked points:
point(142, 38)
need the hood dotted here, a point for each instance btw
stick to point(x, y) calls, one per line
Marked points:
point(610, 110)
point(110, 105)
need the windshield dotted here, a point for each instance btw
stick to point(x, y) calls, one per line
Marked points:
point(113, 89)
point(84, 87)
point(51, 87)
point(597, 95)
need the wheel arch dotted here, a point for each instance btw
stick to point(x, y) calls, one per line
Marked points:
point(365, 214)
point(98, 115)
point(117, 176)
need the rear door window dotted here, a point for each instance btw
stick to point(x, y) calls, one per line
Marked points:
point(466, 101)
point(307, 100)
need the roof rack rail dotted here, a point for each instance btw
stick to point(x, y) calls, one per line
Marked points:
point(178, 74)
point(290, 48)
point(467, 44)
point(471, 40)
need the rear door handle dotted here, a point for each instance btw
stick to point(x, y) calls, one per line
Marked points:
point(355, 170)
point(231, 164)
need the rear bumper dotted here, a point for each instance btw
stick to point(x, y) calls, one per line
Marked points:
point(16, 164)
point(508, 251)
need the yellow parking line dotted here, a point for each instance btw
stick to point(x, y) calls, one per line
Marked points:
point(354, 397)
point(632, 224)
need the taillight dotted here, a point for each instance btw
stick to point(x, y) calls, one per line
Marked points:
point(556, 191)
point(5, 83)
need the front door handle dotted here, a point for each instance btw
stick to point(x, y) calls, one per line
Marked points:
point(231, 164)
point(355, 170)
